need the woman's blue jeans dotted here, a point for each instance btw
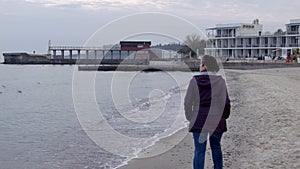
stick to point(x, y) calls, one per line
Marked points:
point(200, 140)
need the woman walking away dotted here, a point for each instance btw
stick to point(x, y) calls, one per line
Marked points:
point(207, 106)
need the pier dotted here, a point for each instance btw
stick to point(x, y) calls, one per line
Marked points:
point(77, 52)
point(127, 52)
point(124, 50)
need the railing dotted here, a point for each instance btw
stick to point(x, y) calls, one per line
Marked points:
point(76, 48)
point(254, 45)
point(293, 45)
point(292, 32)
point(224, 36)
point(227, 35)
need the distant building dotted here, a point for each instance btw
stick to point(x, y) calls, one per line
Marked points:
point(20, 58)
point(135, 45)
point(241, 40)
point(141, 48)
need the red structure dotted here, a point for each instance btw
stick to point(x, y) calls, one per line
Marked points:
point(135, 45)
point(142, 49)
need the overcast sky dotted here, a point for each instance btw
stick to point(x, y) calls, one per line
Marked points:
point(27, 25)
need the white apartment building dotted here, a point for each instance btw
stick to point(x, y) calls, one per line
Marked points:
point(242, 40)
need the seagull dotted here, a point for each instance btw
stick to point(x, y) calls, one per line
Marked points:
point(19, 91)
point(4, 86)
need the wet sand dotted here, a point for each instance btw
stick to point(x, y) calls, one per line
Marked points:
point(263, 129)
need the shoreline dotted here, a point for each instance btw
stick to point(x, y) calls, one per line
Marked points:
point(152, 157)
point(262, 132)
point(160, 146)
point(184, 68)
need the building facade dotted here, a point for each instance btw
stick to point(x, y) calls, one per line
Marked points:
point(242, 40)
point(135, 45)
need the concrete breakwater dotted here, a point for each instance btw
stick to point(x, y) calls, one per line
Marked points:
point(136, 68)
point(189, 67)
point(255, 65)
point(137, 64)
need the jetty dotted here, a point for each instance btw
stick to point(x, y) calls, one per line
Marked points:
point(189, 67)
point(131, 56)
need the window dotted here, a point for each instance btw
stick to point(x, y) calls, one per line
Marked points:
point(266, 40)
point(142, 52)
point(124, 54)
point(116, 54)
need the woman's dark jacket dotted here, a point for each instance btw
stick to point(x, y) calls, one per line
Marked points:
point(206, 104)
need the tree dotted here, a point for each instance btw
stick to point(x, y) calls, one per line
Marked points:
point(279, 32)
point(193, 44)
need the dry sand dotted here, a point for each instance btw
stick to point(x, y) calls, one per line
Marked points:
point(263, 129)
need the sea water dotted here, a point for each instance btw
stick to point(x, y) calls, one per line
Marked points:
point(39, 126)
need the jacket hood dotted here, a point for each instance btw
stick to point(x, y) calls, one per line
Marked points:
point(208, 79)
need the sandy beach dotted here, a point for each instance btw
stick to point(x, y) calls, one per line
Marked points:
point(263, 129)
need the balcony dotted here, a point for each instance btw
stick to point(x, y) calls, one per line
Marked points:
point(293, 45)
point(292, 32)
point(228, 35)
point(273, 45)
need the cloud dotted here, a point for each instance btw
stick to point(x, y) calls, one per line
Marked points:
point(206, 12)
point(9, 14)
point(272, 10)
point(105, 4)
